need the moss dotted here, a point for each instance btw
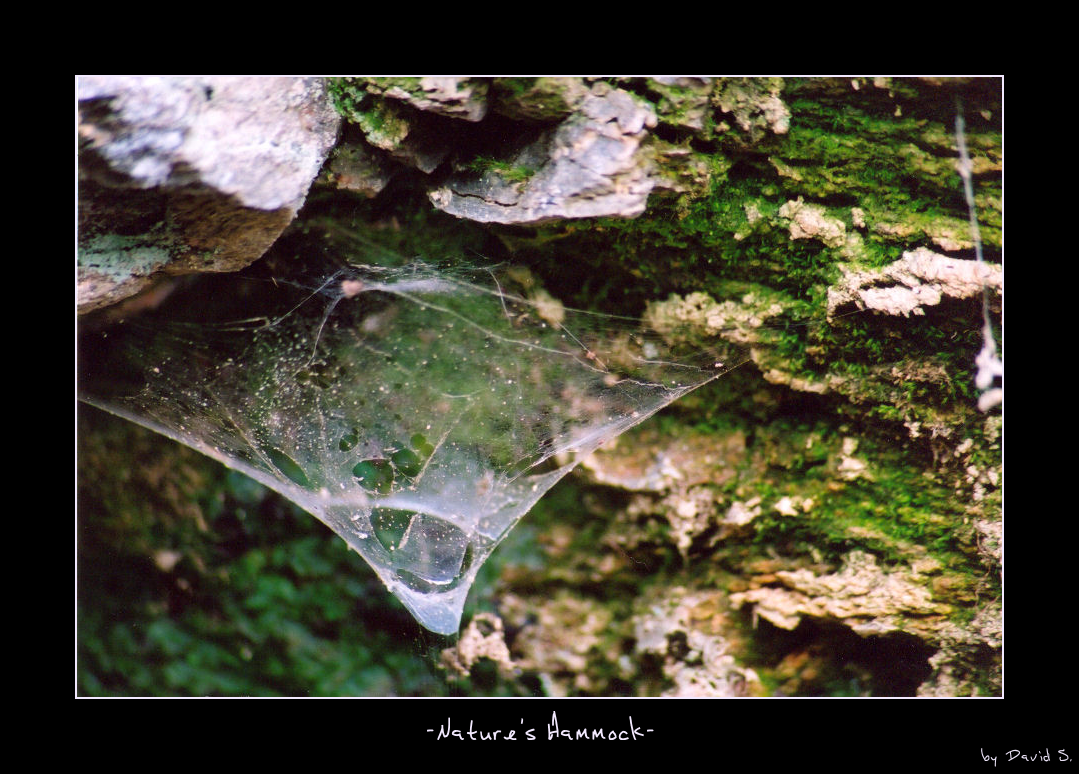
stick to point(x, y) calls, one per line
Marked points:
point(385, 124)
point(903, 387)
point(684, 104)
point(514, 173)
point(543, 100)
point(348, 95)
point(860, 152)
point(410, 85)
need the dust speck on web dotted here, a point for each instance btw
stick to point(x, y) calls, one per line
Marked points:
point(418, 412)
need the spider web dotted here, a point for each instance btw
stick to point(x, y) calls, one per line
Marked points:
point(419, 412)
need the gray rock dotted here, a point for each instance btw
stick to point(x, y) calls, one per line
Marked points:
point(591, 165)
point(754, 104)
point(464, 98)
point(684, 102)
point(190, 174)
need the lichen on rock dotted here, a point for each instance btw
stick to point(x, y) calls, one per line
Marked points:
point(809, 221)
point(697, 316)
point(755, 104)
point(559, 639)
point(483, 638)
point(538, 99)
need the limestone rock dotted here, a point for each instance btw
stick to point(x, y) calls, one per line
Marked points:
point(862, 595)
point(464, 98)
point(755, 104)
point(190, 174)
point(591, 165)
point(557, 638)
point(354, 167)
point(808, 221)
point(684, 102)
point(483, 638)
point(686, 631)
point(920, 278)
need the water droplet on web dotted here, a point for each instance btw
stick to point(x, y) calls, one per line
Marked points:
point(407, 461)
point(420, 444)
point(374, 475)
point(288, 466)
point(349, 441)
point(391, 526)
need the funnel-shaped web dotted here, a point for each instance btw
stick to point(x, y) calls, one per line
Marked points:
point(417, 412)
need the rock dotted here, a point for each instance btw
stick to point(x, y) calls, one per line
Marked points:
point(808, 221)
point(698, 315)
point(354, 167)
point(686, 632)
point(464, 98)
point(484, 638)
point(183, 175)
point(684, 102)
point(558, 639)
point(681, 170)
point(920, 278)
point(755, 485)
point(754, 103)
point(961, 645)
point(405, 134)
point(591, 165)
point(862, 595)
point(538, 99)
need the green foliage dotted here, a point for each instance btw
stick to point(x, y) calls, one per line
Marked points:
point(348, 95)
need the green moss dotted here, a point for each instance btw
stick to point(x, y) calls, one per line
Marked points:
point(514, 173)
point(410, 85)
point(536, 99)
point(348, 95)
point(859, 151)
point(517, 86)
point(384, 123)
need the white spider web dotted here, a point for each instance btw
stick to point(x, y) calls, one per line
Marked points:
point(418, 412)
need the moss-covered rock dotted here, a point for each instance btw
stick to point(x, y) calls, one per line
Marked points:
point(824, 519)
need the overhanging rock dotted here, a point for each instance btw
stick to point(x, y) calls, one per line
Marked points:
point(183, 175)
